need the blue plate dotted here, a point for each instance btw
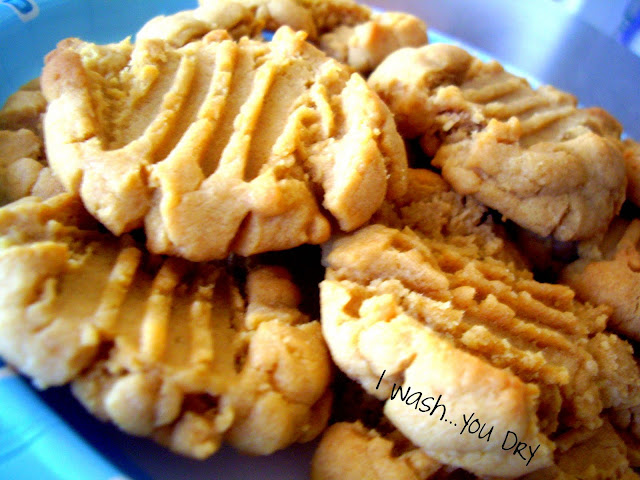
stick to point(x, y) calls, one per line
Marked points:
point(29, 29)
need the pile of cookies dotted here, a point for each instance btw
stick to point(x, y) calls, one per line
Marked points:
point(341, 233)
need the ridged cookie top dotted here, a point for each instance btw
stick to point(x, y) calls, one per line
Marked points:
point(531, 154)
point(521, 355)
point(183, 352)
point(446, 308)
point(219, 146)
point(462, 93)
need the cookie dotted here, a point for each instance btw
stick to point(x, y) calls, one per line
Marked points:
point(46, 327)
point(475, 337)
point(23, 170)
point(570, 190)
point(612, 276)
point(182, 352)
point(433, 209)
point(532, 155)
point(264, 144)
point(327, 15)
point(349, 451)
point(365, 45)
point(589, 455)
point(345, 30)
point(312, 16)
point(24, 108)
point(631, 152)
point(190, 25)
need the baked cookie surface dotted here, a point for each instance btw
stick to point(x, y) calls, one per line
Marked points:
point(589, 455)
point(434, 313)
point(191, 25)
point(349, 32)
point(613, 276)
point(184, 353)
point(37, 249)
point(365, 45)
point(631, 152)
point(23, 169)
point(532, 155)
point(312, 16)
point(350, 451)
point(220, 146)
point(24, 108)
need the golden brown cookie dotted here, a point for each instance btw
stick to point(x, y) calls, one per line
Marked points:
point(190, 25)
point(344, 29)
point(220, 146)
point(365, 45)
point(349, 451)
point(613, 277)
point(570, 190)
point(589, 455)
point(631, 152)
point(162, 347)
point(328, 14)
point(23, 169)
point(469, 338)
point(531, 154)
point(46, 329)
point(312, 16)
point(24, 109)
point(432, 208)
point(442, 93)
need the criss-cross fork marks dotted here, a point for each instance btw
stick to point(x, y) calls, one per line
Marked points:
point(545, 114)
point(161, 311)
point(160, 346)
point(485, 307)
point(158, 311)
point(219, 145)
